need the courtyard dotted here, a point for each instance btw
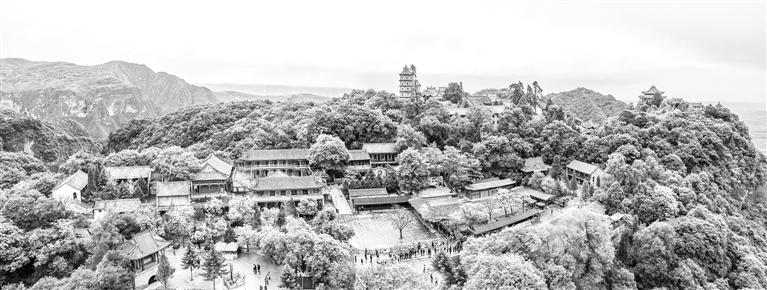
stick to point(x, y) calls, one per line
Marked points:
point(243, 265)
point(374, 230)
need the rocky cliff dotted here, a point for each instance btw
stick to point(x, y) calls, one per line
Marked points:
point(100, 98)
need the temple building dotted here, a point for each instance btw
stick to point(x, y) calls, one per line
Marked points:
point(381, 154)
point(265, 163)
point(70, 189)
point(172, 193)
point(584, 172)
point(486, 187)
point(120, 174)
point(143, 251)
point(408, 82)
point(359, 160)
point(647, 96)
point(276, 190)
point(213, 178)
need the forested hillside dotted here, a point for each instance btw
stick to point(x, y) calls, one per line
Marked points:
point(691, 184)
point(46, 141)
point(587, 104)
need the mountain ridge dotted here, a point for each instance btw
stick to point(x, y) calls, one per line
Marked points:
point(99, 97)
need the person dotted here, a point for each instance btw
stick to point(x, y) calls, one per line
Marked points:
point(259, 269)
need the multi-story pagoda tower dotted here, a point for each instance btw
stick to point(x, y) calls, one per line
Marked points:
point(408, 82)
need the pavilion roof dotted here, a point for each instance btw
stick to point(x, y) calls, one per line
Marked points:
point(141, 245)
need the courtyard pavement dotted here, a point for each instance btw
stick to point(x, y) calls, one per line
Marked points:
point(243, 265)
point(374, 230)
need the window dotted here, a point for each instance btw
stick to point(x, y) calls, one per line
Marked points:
point(74, 195)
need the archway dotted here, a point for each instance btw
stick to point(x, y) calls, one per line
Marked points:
point(152, 280)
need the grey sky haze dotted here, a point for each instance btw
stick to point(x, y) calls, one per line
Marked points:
point(708, 51)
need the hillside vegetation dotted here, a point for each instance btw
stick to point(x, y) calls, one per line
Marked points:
point(588, 105)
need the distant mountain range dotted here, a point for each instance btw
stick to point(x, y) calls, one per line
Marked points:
point(279, 90)
point(587, 104)
point(233, 96)
point(99, 97)
point(102, 97)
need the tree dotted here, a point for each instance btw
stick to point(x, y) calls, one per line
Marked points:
point(13, 252)
point(214, 207)
point(164, 270)
point(474, 213)
point(506, 271)
point(454, 93)
point(290, 208)
point(280, 221)
point(175, 163)
point(412, 172)
point(497, 157)
point(306, 208)
point(213, 266)
point(241, 209)
point(395, 276)
point(490, 205)
point(401, 220)
point(328, 153)
point(408, 137)
point(113, 272)
point(190, 261)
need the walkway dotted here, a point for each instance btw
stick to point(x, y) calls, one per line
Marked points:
point(339, 201)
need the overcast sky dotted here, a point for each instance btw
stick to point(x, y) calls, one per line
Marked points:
point(705, 51)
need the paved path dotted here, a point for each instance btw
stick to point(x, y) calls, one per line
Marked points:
point(339, 202)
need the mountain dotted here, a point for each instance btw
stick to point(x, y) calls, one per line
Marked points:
point(279, 90)
point(233, 96)
point(587, 104)
point(46, 141)
point(99, 97)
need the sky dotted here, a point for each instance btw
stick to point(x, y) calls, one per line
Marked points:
point(699, 50)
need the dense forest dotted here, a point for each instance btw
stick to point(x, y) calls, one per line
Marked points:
point(691, 181)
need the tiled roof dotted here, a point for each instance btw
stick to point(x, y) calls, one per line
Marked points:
point(536, 194)
point(535, 164)
point(440, 208)
point(78, 181)
point(276, 154)
point(128, 172)
point(243, 180)
point(118, 205)
point(381, 199)
point(367, 192)
point(219, 165)
point(288, 182)
point(582, 167)
point(490, 184)
point(358, 155)
point(653, 90)
point(209, 175)
point(504, 222)
point(173, 188)
point(486, 180)
point(141, 245)
point(380, 147)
